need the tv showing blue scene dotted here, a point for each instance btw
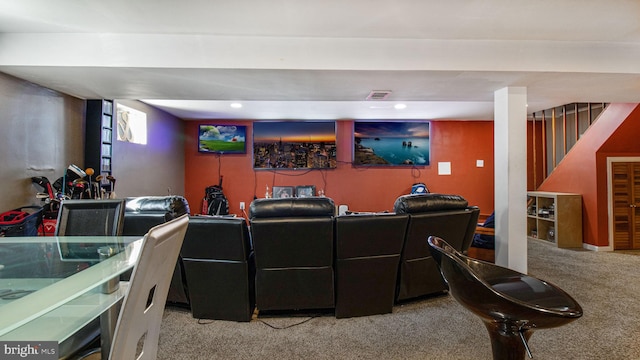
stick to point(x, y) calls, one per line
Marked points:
point(294, 145)
point(391, 143)
point(222, 139)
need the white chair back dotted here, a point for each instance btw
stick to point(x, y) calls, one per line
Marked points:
point(138, 327)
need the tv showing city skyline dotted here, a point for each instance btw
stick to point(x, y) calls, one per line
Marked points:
point(391, 143)
point(294, 145)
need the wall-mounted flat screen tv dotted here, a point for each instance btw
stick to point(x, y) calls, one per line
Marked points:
point(222, 139)
point(391, 143)
point(294, 145)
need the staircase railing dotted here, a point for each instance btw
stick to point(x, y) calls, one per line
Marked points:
point(553, 132)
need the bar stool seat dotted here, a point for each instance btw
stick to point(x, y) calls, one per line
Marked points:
point(511, 304)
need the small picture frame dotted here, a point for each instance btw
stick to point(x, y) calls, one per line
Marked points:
point(305, 191)
point(283, 192)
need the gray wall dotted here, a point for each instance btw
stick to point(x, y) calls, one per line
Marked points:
point(42, 132)
point(157, 167)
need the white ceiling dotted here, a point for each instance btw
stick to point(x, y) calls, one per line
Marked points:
point(319, 60)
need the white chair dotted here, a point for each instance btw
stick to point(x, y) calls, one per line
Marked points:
point(138, 327)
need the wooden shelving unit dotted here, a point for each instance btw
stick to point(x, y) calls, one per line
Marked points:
point(555, 217)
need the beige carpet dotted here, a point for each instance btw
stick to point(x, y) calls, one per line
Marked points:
point(605, 284)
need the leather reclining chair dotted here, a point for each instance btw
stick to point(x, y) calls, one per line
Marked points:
point(219, 268)
point(368, 250)
point(445, 216)
point(293, 244)
point(143, 213)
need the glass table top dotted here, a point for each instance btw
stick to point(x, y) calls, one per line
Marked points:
point(40, 276)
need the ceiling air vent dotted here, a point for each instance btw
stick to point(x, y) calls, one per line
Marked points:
point(379, 95)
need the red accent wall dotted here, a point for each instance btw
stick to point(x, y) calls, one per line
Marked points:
point(584, 169)
point(362, 189)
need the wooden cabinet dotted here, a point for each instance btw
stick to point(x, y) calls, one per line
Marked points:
point(555, 217)
point(625, 196)
point(99, 137)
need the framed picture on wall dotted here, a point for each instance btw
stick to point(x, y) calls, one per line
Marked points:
point(305, 191)
point(283, 192)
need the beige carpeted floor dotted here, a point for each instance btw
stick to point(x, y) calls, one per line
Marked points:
point(607, 286)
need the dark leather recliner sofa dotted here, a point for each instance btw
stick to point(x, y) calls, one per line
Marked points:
point(445, 216)
point(293, 243)
point(219, 266)
point(144, 212)
point(368, 248)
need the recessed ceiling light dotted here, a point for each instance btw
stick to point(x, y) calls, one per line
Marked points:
point(400, 106)
point(236, 105)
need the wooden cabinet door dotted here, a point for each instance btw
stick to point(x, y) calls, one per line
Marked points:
point(626, 205)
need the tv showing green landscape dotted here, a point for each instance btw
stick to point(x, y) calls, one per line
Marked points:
point(222, 139)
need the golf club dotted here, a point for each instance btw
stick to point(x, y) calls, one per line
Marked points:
point(113, 186)
point(90, 172)
point(45, 184)
point(102, 190)
point(96, 191)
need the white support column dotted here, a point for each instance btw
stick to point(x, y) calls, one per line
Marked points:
point(510, 153)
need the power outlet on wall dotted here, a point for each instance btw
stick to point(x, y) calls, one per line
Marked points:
point(241, 205)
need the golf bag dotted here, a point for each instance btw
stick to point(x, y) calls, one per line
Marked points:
point(215, 202)
point(23, 221)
